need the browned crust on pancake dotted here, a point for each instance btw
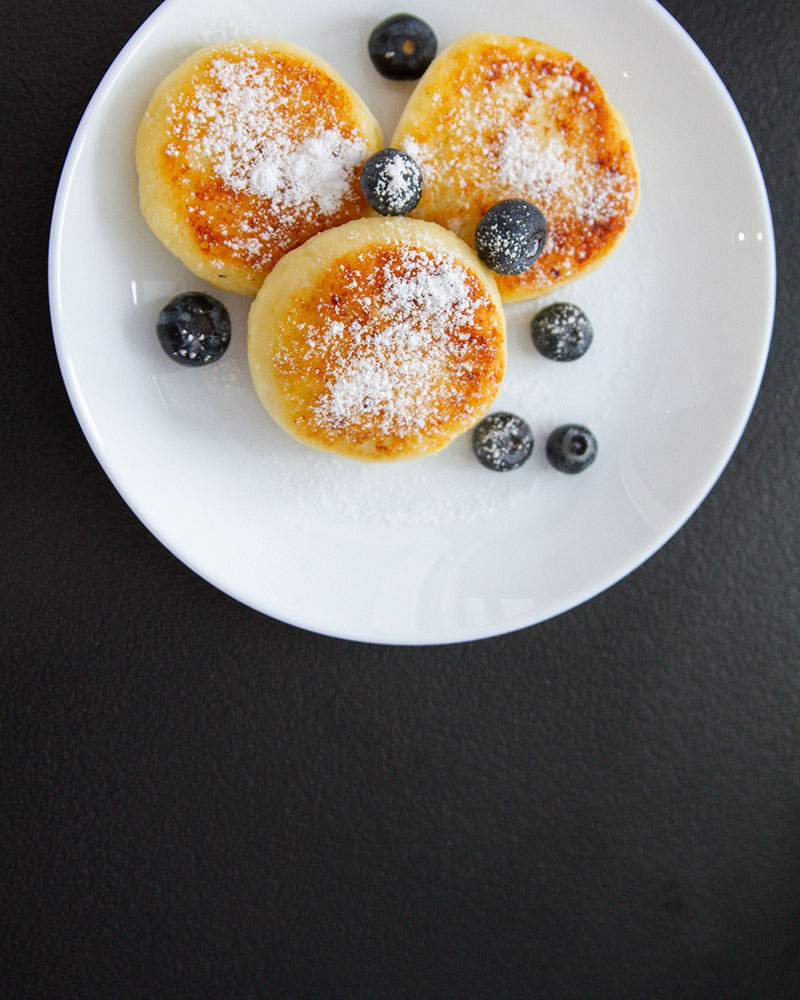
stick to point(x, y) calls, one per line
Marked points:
point(499, 117)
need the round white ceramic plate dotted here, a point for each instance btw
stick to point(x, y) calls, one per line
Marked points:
point(439, 549)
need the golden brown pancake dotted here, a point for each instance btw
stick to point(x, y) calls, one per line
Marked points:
point(497, 117)
point(382, 339)
point(245, 151)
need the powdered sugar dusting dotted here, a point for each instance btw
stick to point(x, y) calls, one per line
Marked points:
point(242, 123)
point(266, 132)
point(398, 369)
point(538, 164)
point(429, 288)
point(318, 170)
point(408, 342)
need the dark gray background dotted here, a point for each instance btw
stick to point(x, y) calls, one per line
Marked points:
point(199, 801)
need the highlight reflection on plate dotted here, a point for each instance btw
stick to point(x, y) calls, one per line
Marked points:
point(438, 549)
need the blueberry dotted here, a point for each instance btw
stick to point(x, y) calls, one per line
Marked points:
point(391, 182)
point(194, 329)
point(502, 441)
point(562, 332)
point(510, 236)
point(571, 448)
point(402, 47)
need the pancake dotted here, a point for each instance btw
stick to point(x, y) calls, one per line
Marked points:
point(496, 117)
point(379, 340)
point(245, 151)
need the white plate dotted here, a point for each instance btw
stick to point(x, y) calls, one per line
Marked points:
point(439, 549)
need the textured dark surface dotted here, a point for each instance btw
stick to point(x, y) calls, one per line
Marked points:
point(198, 801)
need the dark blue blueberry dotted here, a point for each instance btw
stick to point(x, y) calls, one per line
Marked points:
point(391, 182)
point(571, 448)
point(562, 332)
point(194, 329)
point(510, 236)
point(502, 441)
point(402, 47)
